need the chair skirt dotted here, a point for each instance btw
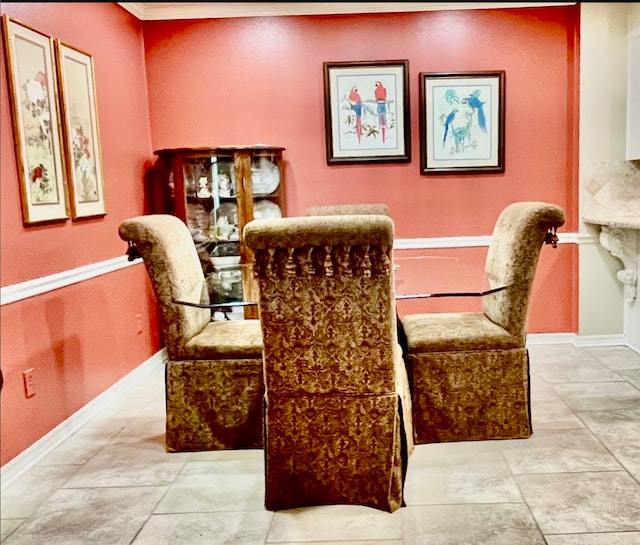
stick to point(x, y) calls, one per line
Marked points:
point(334, 449)
point(214, 404)
point(470, 395)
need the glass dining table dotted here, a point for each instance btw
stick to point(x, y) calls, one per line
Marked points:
point(430, 276)
point(416, 277)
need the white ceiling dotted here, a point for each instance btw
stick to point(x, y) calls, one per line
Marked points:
point(155, 11)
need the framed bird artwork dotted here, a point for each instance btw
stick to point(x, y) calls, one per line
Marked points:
point(462, 122)
point(367, 112)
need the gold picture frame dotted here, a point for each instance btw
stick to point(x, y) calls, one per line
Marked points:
point(80, 131)
point(35, 116)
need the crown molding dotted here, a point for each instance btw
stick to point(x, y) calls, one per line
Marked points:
point(159, 11)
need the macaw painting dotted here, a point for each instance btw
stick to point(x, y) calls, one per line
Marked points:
point(463, 117)
point(367, 106)
point(368, 111)
point(463, 120)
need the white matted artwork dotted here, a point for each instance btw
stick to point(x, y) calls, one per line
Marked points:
point(462, 122)
point(35, 115)
point(80, 131)
point(367, 112)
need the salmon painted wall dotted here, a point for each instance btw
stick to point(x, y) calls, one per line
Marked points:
point(249, 80)
point(79, 339)
point(239, 81)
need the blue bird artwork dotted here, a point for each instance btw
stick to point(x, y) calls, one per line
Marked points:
point(474, 102)
point(447, 124)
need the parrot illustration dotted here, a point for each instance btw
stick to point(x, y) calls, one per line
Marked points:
point(447, 124)
point(355, 100)
point(381, 99)
point(477, 105)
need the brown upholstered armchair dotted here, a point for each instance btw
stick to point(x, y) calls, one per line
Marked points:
point(337, 401)
point(470, 371)
point(347, 209)
point(214, 385)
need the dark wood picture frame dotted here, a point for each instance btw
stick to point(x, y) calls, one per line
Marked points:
point(367, 112)
point(462, 122)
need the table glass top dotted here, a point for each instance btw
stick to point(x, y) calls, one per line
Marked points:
point(420, 277)
point(416, 277)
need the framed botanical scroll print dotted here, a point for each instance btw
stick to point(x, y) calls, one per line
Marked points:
point(80, 131)
point(34, 110)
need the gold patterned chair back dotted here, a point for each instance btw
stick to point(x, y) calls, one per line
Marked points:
point(337, 405)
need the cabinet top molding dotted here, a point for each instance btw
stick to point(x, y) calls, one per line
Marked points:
point(159, 11)
point(219, 149)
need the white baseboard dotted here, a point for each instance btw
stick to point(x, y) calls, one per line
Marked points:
point(43, 446)
point(577, 340)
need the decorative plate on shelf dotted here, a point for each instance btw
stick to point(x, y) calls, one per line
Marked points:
point(264, 175)
point(264, 209)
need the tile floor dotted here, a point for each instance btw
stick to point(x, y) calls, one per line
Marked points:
point(576, 481)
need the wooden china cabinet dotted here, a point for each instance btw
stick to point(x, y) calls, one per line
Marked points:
point(216, 192)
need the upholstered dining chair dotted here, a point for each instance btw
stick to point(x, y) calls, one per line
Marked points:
point(470, 370)
point(337, 400)
point(347, 209)
point(213, 376)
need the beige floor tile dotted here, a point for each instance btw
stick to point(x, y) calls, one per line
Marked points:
point(599, 396)
point(619, 431)
point(616, 357)
point(569, 371)
point(632, 375)
point(494, 524)
point(465, 472)
point(607, 538)
point(568, 503)
point(91, 516)
point(559, 451)
point(26, 493)
point(80, 447)
point(216, 486)
point(334, 523)
point(128, 465)
point(7, 526)
point(240, 528)
point(552, 413)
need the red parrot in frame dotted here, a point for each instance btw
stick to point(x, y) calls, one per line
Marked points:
point(381, 100)
point(355, 100)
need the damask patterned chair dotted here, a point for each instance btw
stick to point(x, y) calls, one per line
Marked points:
point(470, 371)
point(337, 401)
point(348, 209)
point(213, 378)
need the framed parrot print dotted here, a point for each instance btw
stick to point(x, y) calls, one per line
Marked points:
point(367, 112)
point(80, 131)
point(35, 116)
point(462, 122)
